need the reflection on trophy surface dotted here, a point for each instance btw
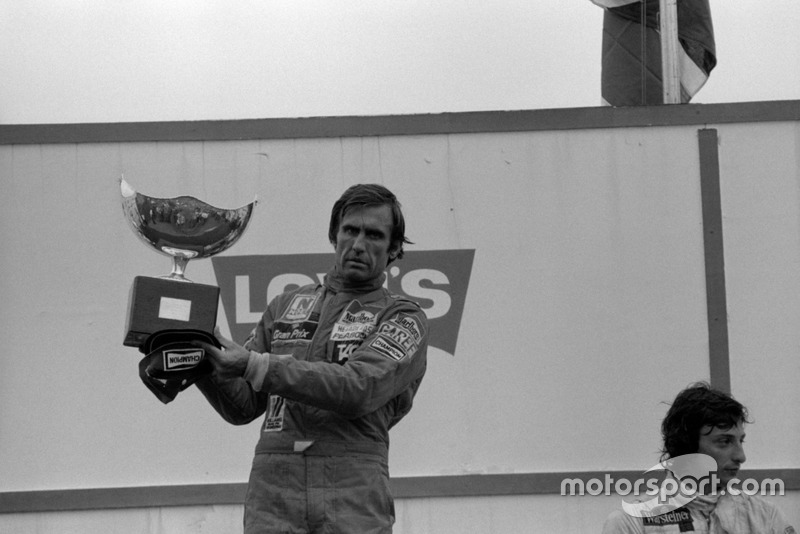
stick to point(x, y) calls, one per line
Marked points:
point(183, 228)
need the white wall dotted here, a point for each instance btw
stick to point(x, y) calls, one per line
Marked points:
point(760, 168)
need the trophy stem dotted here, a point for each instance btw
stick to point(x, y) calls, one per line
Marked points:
point(178, 269)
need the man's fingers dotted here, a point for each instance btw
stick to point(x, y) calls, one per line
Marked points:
point(210, 350)
point(224, 341)
point(230, 360)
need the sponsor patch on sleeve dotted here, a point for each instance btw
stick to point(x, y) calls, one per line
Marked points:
point(398, 338)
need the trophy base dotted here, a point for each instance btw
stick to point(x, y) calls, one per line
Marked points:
point(157, 304)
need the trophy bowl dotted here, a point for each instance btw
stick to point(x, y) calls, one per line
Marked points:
point(184, 227)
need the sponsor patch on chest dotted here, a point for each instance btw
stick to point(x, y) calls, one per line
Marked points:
point(293, 332)
point(681, 518)
point(299, 308)
point(355, 323)
point(299, 321)
point(352, 327)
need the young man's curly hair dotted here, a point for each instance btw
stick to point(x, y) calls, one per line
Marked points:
point(695, 407)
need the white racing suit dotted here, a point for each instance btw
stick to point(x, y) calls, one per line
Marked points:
point(716, 514)
point(333, 368)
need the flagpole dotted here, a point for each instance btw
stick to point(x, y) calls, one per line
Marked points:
point(670, 70)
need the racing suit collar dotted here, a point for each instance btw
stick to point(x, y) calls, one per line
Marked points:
point(723, 512)
point(336, 282)
point(704, 504)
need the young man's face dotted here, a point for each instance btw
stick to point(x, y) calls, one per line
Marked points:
point(726, 446)
point(363, 243)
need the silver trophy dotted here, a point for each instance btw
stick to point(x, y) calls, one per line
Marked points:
point(183, 228)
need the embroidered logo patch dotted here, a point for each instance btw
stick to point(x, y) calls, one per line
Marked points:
point(398, 337)
point(680, 517)
point(299, 322)
point(274, 419)
point(342, 351)
point(294, 332)
point(300, 308)
point(410, 324)
point(353, 326)
point(355, 323)
point(180, 359)
point(388, 349)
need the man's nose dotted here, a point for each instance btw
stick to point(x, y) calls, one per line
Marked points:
point(738, 454)
point(358, 242)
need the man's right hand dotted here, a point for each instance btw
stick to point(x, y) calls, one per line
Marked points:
point(230, 361)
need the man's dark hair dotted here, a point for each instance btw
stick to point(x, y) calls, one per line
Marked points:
point(695, 407)
point(371, 195)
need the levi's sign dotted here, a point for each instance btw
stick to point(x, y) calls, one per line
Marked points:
point(436, 279)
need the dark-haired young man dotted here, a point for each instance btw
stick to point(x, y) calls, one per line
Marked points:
point(704, 420)
point(333, 366)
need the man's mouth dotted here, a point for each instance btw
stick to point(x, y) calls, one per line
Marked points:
point(355, 262)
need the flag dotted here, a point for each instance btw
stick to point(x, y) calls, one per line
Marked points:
point(631, 66)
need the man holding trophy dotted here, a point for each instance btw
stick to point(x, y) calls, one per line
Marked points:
point(167, 314)
point(332, 367)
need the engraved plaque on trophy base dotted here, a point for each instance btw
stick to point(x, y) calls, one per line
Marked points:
point(157, 304)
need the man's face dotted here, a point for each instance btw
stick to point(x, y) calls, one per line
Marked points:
point(726, 446)
point(363, 243)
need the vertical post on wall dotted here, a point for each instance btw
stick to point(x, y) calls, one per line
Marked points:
point(716, 298)
point(670, 69)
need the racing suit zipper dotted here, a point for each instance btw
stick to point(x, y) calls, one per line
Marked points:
point(320, 335)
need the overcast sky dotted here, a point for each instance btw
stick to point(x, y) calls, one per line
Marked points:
point(64, 61)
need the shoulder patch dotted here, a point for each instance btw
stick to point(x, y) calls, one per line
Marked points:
point(399, 337)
